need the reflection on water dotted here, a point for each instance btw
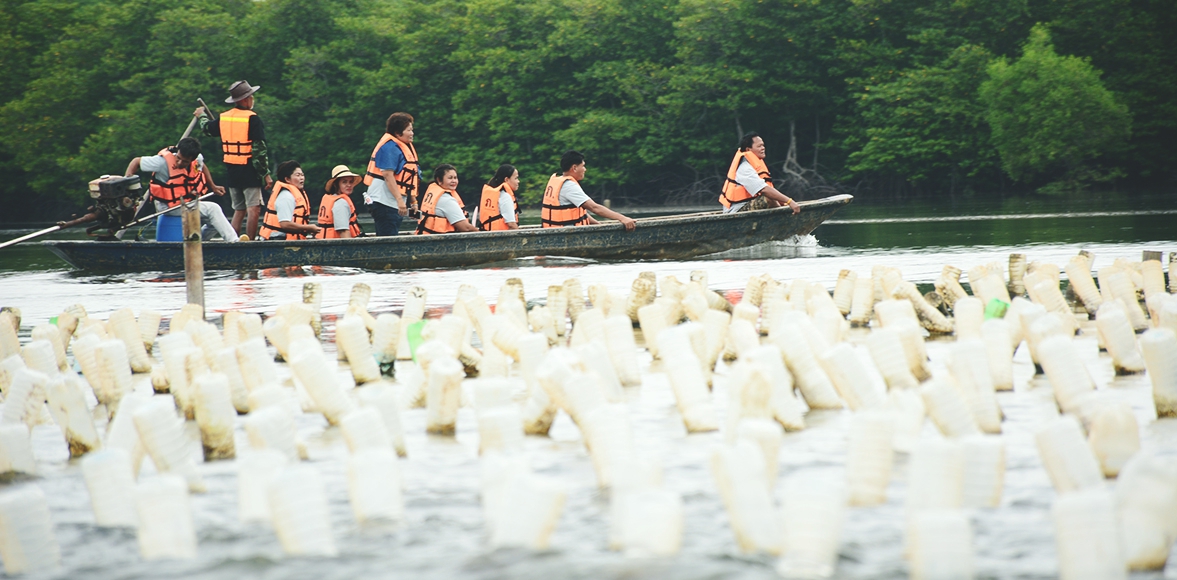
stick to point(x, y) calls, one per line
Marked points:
point(443, 535)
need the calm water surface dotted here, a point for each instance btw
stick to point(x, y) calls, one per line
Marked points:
point(443, 534)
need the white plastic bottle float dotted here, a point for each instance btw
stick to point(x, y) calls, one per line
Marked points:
point(374, 485)
point(444, 393)
point(1114, 436)
point(1067, 457)
point(812, 512)
point(811, 378)
point(215, 416)
point(161, 432)
point(1078, 271)
point(110, 479)
point(256, 468)
point(382, 397)
point(1086, 533)
point(51, 334)
point(785, 407)
point(68, 408)
point(123, 326)
point(318, 377)
point(999, 351)
point(984, 471)
point(935, 480)
point(886, 350)
point(739, 473)
point(868, 457)
point(862, 302)
point(27, 542)
point(272, 427)
point(1119, 338)
point(690, 390)
point(767, 436)
point(16, 450)
point(850, 376)
point(299, 512)
point(622, 348)
point(1146, 499)
point(225, 362)
point(1067, 374)
point(969, 313)
point(351, 336)
point(941, 545)
point(1159, 346)
point(166, 529)
point(969, 365)
point(256, 365)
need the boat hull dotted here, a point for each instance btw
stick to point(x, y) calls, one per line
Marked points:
point(661, 238)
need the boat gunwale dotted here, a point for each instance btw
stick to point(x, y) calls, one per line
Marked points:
point(529, 230)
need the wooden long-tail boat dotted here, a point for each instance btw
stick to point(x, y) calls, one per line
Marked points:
point(655, 238)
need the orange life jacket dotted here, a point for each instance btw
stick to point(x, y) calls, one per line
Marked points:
point(408, 178)
point(490, 218)
point(733, 192)
point(302, 212)
point(182, 183)
point(235, 143)
point(554, 215)
point(430, 222)
point(327, 216)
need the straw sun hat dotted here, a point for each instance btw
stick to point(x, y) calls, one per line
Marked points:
point(339, 171)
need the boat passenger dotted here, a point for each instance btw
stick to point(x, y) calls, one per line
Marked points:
point(179, 174)
point(441, 207)
point(565, 202)
point(393, 176)
point(749, 184)
point(288, 212)
point(499, 210)
point(243, 143)
point(337, 213)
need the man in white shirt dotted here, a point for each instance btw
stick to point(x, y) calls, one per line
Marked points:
point(764, 194)
point(186, 152)
point(573, 199)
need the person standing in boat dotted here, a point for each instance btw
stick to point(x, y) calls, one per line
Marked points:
point(337, 213)
point(393, 176)
point(288, 212)
point(749, 185)
point(566, 204)
point(499, 209)
point(441, 207)
point(179, 174)
point(243, 143)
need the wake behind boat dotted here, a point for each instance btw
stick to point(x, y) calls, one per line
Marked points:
point(656, 238)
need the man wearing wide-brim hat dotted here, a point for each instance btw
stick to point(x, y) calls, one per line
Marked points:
point(243, 146)
point(337, 212)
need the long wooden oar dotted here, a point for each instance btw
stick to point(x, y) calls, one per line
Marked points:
point(159, 213)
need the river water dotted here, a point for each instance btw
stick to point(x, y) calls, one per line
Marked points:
point(443, 533)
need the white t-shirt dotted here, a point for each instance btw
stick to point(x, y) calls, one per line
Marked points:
point(284, 206)
point(448, 208)
point(572, 194)
point(342, 214)
point(157, 166)
point(507, 207)
point(750, 180)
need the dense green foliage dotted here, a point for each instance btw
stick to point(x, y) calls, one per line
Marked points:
point(1051, 112)
point(882, 95)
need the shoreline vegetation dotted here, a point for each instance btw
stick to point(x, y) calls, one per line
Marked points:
point(891, 100)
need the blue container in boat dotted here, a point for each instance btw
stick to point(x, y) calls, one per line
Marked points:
point(169, 229)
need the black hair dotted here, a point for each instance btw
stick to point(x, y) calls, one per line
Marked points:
point(746, 140)
point(569, 159)
point(441, 170)
point(397, 123)
point(505, 171)
point(286, 169)
point(188, 147)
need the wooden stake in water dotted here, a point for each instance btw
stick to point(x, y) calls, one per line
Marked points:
point(193, 254)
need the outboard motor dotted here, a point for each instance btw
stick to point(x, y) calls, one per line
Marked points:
point(116, 199)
